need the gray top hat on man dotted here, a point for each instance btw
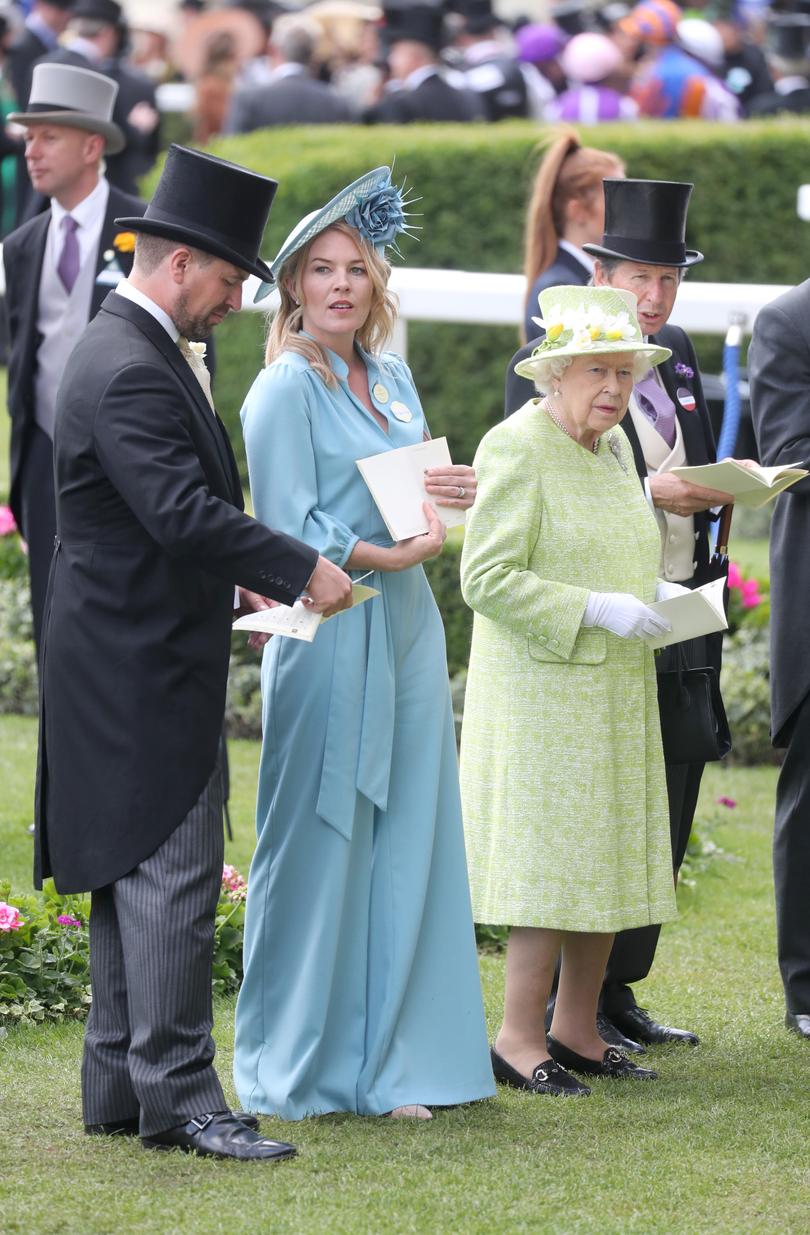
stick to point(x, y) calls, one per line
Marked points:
point(75, 98)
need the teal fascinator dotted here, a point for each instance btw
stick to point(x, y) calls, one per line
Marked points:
point(372, 204)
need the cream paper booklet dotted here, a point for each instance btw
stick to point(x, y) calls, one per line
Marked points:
point(699, 612)
point(750, 486)
point(397, 484)
point(297, 621)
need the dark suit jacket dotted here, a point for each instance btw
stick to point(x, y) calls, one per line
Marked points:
point(779, 372)
point(23, 253)
point(434, 99)
point(796, 102)
point(138, 156)
point(152, 539)
point(22, 56)
point(696, 426)
point(565, 270)
point(297, 99)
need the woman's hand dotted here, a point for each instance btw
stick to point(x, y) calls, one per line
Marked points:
point(407, 553)
point(454, 485)
point(623, 615)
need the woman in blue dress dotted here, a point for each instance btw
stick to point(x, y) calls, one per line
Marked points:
point(361, 990)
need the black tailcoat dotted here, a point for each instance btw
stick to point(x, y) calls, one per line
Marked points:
point(779, 371)
point(23, 254)
point(152, 539)
point(696, 426)
point(433, 99)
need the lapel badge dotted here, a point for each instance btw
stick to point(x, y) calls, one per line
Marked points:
point(401, 412)
point(686, 399)
point(380, 392)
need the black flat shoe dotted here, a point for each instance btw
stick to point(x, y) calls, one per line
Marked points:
point(117, 1127)
point(547, 1077)
point(614, 1063)
point(220, 1135)
point(611, 1034)
point(636, 1023)
point(798, 1022)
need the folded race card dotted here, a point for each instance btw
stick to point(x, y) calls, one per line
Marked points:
point(396, 479)
point(297, 621)
point(749, 486)
point(699, 612)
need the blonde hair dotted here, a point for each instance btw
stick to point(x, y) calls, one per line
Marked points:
point(284, 334)
point(568, 171)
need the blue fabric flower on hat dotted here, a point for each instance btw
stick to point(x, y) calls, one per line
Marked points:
point(380, 217)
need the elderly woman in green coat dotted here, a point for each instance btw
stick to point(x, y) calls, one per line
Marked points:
point(561, 763)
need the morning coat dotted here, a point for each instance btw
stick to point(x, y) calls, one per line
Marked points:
point(779, 371)
point(151, 538)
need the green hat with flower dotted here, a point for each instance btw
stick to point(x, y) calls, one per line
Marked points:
point(372, 204)
point(588, 321)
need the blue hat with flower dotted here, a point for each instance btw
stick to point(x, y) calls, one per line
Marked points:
point(372, 204)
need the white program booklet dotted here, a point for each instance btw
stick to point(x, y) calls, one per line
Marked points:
point(297, 621)
point(397, 483)
point(699, 612)
point(750, 486)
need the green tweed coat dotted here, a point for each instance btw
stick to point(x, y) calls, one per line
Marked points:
point(562, 772)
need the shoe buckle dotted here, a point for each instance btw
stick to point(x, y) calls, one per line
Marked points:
point(200, 1122)
point(615, 1056)
point(540, 1074)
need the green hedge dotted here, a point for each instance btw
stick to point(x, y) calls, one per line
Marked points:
point(474, 183)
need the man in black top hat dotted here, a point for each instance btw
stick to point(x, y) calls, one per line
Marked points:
point(789, 36)
point(495, 75)
point(420, 89)
point(643, 251)
point(151, 539)
point(97, 38)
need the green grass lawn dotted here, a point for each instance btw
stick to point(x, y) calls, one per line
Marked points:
point(718, 1145)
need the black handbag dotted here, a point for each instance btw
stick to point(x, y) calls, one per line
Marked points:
point(694, 727)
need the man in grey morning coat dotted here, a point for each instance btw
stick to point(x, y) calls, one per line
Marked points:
point(779, 370)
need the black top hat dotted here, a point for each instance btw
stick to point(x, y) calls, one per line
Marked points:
point(211, 205)
point(645, 221)
point(107, 11)
point(420, 22)
point(789, 35)
point(477, 14)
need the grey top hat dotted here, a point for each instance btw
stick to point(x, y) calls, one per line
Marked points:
point(74, 98)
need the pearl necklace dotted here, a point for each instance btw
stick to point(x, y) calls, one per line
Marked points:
point(566, 431)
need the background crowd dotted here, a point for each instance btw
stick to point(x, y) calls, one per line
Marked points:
point(233, 66)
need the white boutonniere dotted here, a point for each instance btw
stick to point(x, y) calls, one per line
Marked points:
point(199, 349)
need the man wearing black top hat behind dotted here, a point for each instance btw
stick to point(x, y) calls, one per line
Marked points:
point(151, 540)
point(97, 38)
point(419, 90)
point(643, 251)
point(789, 37)
point(500, 82)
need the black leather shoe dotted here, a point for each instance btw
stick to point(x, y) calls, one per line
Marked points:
point(637, 1024)
point(117, 1127)
point(798, 1022)
point(614, 1037)
point(220, 1135)
point(250, 1121)
point(614, 1063)
point(547, 1077)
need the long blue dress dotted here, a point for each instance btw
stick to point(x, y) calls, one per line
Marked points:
point(361, 989)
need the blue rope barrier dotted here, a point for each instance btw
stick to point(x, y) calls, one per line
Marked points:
point(731, 406)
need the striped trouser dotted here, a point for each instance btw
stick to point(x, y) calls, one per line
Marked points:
point(148, 1048)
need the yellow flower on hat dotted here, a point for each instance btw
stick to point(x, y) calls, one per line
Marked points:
point(124, 242)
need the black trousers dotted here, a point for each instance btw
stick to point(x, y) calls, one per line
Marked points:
point(633, 951)
point(791, 862)
point(38, 513)
point(148, 1049)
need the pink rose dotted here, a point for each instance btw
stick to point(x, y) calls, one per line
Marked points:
point(65, 919)
point(734, 576)
point(10, 919)
point(7, 524)
point(729, 802)
point(751, 601)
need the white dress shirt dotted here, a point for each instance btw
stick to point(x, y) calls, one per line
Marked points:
point(89, 214)
point(125, 289)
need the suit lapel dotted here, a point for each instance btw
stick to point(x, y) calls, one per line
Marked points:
point(33, 259)
point(690, 423)
point(171, 353)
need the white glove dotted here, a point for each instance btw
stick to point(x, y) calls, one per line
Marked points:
point(623, 615)
point(666, 591)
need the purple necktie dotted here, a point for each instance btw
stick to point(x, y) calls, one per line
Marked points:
point(68, 266)
point(657, 406)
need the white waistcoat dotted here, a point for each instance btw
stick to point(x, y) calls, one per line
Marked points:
point(61, 321)
point(677, 531)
